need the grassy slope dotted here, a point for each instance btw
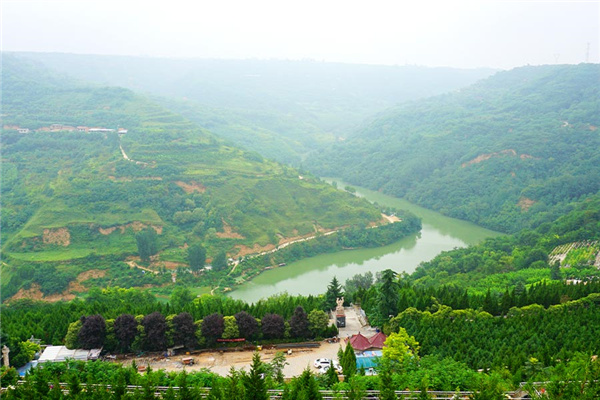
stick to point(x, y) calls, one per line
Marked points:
point(80, 181)
point(522, 138)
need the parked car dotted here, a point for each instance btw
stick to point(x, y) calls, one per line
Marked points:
point(323, 364)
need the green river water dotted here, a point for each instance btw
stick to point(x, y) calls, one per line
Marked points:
point(312, 275)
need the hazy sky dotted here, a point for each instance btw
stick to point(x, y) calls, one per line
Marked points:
point(500, 34)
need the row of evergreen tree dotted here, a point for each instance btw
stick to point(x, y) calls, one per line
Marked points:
point(155, 332)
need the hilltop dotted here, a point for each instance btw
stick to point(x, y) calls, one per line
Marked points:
point(508, 152)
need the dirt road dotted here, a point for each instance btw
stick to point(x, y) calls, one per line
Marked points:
point(299, 359)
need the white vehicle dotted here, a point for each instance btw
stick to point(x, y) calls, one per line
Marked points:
point(323, 364)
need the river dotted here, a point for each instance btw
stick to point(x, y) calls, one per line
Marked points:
point(312, 275)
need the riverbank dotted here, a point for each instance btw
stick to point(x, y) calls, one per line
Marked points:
point(312, 275)
point(405, 224)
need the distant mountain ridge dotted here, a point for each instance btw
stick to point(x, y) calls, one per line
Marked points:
point(508, 152)
point(280, 109)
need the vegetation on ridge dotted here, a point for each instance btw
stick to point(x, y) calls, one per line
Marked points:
point(512, 151)
point(72, 195)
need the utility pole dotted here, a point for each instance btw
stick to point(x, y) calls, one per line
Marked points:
point(587, 53)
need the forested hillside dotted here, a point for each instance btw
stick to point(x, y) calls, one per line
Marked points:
point(509, 152)
point(280, 109)
point(77, 194)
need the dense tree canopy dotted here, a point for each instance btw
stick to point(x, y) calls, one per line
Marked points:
point(155, 328)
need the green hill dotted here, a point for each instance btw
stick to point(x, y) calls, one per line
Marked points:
point(72, 200)
point(509, 152)
point(280, 109)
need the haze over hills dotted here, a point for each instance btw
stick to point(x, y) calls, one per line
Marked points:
point(71, 193)
point(280, 109)
point(509, 152)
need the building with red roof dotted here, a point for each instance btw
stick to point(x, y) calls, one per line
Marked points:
point(378, 340)
point(361, 343)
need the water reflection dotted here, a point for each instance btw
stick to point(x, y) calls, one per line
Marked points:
point(312, 275)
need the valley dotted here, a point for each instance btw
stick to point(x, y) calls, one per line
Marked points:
point(463, 229)
point(312, 275)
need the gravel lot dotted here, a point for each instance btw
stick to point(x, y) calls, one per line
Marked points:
point(221, 362)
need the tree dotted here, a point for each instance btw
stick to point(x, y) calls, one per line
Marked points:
point(348, 362)
point(555, 274)
point(247, 325)
point(126, 329)
point(230, 330)
point(400, 347)
point(119, 388)
point(185, 330)
point(334, 291)
point(219, 263)
point(299, 323)
point(424, 389)
point(318, 322)
point(305, 387)
point(278, 363)
point(359, 281)
point(273, 326)
point(212, 327)
point(489, 303)
point(254, 382)
point(155, 328)
point(147, 243)
point(356, 391)
point(331, 376)
point(215, 393)
point(8, 376)
point(489, 388)
point(196, 257)
point(72, 337)
point(235, 388)
point(388, 295)
point(74, 384)
point(185, 393)
point(386, 386)
point(181, 297)
point(92, 332)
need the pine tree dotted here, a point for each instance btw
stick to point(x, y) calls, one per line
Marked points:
point(349, 362)
point(254, 383)
point(331, 376)
point(489, 303)
point(356, 390)
point(234, 389)
point(555, 274)
point(386, 388)
point(305, 387)
point(334, 291)
point(74, 385)
point(424, 390)
point(388, 295)
point(215, 392)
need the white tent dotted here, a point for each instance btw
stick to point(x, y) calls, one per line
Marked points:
point(61, 353)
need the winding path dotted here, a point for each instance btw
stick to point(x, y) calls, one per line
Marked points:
point(126, 157)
